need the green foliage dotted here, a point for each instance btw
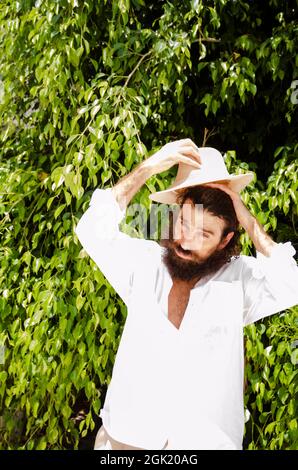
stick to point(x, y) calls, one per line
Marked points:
point(87, 90)
point(272, 379)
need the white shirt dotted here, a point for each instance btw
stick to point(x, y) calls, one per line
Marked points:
point(185, 385)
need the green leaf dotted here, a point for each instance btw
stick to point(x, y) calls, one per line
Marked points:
point(59, 210)
point(294, 357)
point(270, 428)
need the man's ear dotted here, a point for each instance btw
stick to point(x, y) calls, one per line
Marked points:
point(226, 240)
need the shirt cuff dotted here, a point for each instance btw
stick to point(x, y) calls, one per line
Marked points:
point(107, 213)
point(106, 199)
point(281, 257)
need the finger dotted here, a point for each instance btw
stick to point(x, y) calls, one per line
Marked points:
point(189, 161)
point(189, 150)
point(189, 142)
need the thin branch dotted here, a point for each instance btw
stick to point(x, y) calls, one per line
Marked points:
point(203, 39)
point(135, 68)
point(208, 134)
point(129, 77)
point(207, 40)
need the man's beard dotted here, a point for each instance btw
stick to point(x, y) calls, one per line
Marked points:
point(188, 269)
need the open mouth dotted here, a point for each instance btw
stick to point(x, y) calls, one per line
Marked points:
point(183, 253)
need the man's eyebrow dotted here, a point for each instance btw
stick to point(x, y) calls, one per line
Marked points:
point(204, 229)
point(208, 231)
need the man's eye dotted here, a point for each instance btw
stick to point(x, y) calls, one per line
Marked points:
point(201, 232)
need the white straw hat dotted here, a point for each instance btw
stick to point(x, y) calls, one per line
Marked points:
point(213, 169)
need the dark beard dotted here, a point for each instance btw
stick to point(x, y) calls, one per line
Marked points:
point(187, 269)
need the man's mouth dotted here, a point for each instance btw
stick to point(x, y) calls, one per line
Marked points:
point(183, 253)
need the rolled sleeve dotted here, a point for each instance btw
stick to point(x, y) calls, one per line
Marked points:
point(270, 282)
point(114, 252)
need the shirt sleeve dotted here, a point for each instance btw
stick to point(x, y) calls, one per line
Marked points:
point(270, 283)
point(115, 253)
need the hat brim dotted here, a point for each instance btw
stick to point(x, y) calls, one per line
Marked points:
point(235, 183)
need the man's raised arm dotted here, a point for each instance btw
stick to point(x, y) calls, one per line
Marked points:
point(115, 253)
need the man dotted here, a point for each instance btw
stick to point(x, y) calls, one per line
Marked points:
point(177, 381)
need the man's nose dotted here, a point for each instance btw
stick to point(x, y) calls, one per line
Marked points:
point(190, 241)
point(187, 236)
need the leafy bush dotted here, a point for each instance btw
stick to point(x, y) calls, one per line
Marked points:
point(87, 90)
point(271, 371)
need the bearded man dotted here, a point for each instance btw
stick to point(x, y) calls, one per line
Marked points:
point(177, 381)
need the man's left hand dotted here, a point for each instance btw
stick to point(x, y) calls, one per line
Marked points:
point(262, 241)
point(245, 218)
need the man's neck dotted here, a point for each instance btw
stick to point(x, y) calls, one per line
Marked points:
point(185, 285)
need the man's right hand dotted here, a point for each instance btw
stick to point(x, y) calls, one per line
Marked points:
point(184, 150)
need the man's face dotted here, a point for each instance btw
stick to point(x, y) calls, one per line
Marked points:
point(197, 237)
